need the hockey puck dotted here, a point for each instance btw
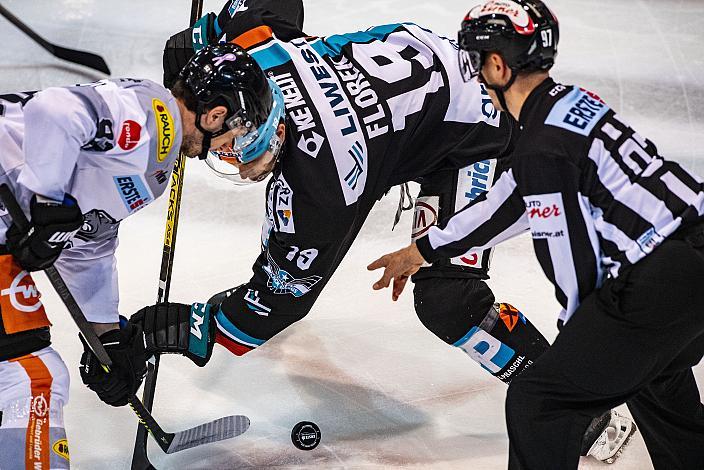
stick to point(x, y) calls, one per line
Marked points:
point(305, 435)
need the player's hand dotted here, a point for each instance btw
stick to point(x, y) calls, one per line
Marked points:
point(50, 230)
point(398, 266)
point(183, 45)
point(174, 328)
point(129, 365)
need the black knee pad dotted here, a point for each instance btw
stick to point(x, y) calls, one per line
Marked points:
point(463, 313)
point(449, 307)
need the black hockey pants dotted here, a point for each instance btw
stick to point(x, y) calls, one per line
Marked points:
point(634, 340)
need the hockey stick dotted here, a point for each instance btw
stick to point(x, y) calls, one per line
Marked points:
point(87, 59)
point(222, 428)
point(140, 458)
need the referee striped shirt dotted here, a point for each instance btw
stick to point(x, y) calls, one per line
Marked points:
point(596, 195)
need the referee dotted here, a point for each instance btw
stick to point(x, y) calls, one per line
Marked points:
point(616, 228)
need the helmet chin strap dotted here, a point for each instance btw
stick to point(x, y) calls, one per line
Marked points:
point(207, 136)
point(501, 90)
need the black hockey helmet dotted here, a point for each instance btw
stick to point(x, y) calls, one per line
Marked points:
point(226, 74)
point(524, 32)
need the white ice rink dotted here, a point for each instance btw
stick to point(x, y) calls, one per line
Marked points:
point(385, 391)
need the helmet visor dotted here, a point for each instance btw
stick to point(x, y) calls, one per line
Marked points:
point(224, 163)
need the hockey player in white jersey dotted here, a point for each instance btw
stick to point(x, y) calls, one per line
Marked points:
point(79, 160)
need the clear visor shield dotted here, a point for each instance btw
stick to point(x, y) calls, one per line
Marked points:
point(224, 165)
point(225, 161)
point(244, 135)
point(470, 63)
point(248, 143)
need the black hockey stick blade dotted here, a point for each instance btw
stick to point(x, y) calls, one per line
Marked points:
point(87, 59)
point(214, 431)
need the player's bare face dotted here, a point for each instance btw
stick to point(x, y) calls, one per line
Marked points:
point(489, 76)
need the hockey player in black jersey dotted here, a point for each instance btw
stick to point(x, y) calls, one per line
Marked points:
point(364, 111)
point(617, 229)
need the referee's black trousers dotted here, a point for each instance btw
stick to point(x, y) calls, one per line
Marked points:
point(634, 340)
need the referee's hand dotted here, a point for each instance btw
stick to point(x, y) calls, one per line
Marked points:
point(398, 266)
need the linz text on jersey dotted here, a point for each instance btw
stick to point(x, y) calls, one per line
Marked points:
point(331, 89)
point(130, 192)
point(581, 114)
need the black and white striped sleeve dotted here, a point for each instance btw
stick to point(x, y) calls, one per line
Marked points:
point(492, 218)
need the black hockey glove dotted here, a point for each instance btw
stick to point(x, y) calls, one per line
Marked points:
point(180, 47)
point(51, 227)
point(125, 347)
point(173, 328)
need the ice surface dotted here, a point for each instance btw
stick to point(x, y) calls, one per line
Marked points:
point(385, 392)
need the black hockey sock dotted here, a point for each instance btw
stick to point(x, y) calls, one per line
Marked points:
point(505, 343)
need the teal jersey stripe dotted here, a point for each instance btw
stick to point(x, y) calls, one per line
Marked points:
point(332, 45)
point(236, 332)
point(272, 56)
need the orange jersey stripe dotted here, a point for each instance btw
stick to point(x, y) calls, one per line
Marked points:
point(254, 37)
point(37, 452)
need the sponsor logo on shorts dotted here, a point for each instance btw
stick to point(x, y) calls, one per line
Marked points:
point(165, 129)
point(38, 425)
point(60, 448)
point(97, 224)
point(40, 407)
point(129, 136)
point(425, 215)
point(22, 293)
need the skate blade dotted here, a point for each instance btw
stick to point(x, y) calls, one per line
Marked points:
point(614, 458)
